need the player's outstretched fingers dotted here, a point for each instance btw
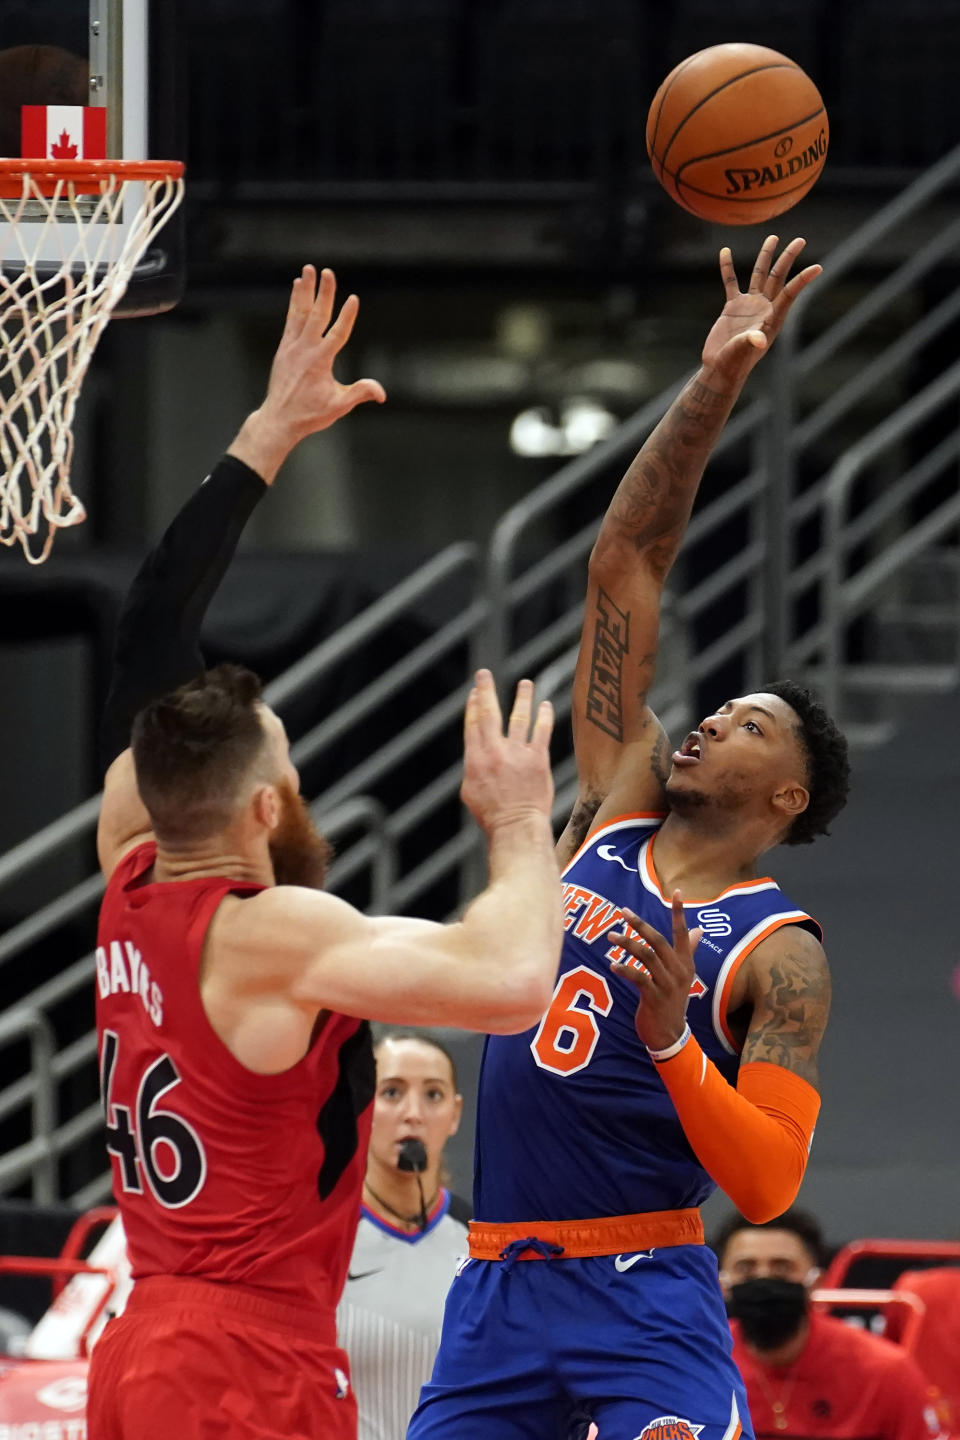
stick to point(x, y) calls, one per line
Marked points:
point(471, 715)
point(489, 718)
point(792, 289)
point(782, 267)
point(761, 266)
point(642, 953)
point(542, 727)
point(728, 273)
point(518, 726)
point(323, 305)
point(342, 328)
point(359, 393)
point(648, 933)
point(301, 302)
point(636, 971)
point(681, 934)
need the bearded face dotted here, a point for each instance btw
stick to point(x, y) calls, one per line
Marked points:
point(299, 853)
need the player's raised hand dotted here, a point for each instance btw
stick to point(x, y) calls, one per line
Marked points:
point(303, 394)
point(662, 973)
point(752, 319)
point(505, 775)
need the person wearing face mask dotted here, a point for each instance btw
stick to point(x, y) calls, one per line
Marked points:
point(808, 1373)
point(411, 1235)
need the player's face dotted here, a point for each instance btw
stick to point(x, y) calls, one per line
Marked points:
point(416, 1099)
point(739, 757)
point(766, 1254)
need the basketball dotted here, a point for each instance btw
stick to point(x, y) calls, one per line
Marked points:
point(737, 133)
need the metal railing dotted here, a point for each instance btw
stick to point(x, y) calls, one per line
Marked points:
point(792, 467)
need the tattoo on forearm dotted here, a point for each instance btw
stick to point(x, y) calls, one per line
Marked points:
point(792, 1016)
point(655, 497)
point(611, 644)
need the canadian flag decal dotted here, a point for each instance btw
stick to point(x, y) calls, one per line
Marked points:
point(63, 132)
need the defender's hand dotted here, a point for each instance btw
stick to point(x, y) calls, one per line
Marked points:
point(303, 395)
point(661, 972)
point(751, 321)
point(505, 776)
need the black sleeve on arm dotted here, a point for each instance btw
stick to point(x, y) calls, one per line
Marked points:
point(158, 633)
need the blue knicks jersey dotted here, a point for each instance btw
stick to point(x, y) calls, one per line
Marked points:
point(573, 1121)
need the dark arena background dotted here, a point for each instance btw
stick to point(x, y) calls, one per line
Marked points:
point(531, 299)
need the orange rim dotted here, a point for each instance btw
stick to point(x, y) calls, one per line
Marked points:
point(85, 176)
point(93, 169)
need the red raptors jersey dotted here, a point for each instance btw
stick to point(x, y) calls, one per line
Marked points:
point(220, 1173)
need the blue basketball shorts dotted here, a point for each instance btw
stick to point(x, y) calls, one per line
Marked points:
point(535, 1349)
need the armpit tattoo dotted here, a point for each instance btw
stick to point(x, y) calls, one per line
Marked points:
point(611, 642)
point(581, 819)
point(660, 758)
point(793, 1017)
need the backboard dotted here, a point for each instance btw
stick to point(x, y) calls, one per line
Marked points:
point(87, 79)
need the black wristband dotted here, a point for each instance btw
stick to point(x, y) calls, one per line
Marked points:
point(158, 633)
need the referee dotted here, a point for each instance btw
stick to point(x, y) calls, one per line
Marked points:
point(411, 1234)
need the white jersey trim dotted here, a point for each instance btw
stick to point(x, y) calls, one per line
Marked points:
point(648, 875)
point(746, 943)
point(735, 1427)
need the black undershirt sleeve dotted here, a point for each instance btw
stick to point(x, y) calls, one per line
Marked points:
point(158, 633)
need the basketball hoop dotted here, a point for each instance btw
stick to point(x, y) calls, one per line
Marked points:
point(52, 314)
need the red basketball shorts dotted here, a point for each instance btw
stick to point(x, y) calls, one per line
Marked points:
point(192, 1361)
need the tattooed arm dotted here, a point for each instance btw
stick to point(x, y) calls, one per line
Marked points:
point(788, 986)
point(753, 1140)
point(622, 752)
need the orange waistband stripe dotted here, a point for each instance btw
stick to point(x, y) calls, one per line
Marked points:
point(609, 1235)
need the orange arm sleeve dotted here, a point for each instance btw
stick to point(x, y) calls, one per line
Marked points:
point(753, 1141)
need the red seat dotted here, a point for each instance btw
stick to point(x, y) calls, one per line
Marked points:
point(937, 1347)
point(933, 1335)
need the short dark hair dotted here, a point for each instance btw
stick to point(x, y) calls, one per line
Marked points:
point(828, 763)
point(193, 751)
point(799, 1222)
point(424, 1039)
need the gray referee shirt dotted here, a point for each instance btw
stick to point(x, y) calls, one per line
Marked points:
point(391, 1312)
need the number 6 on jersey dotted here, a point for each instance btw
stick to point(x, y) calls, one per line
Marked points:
point(568, 1035)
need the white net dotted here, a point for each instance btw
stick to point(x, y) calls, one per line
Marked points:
point(98, 220)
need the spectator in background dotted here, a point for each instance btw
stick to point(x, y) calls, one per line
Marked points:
point(807, 1373)
point(938, 1345)
point(412, 1232)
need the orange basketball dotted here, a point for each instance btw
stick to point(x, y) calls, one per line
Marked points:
point(737, 133)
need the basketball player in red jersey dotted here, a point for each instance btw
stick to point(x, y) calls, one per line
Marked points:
point(236, 1077)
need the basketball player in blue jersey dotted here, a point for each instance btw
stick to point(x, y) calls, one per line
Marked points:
point(588, 1291)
